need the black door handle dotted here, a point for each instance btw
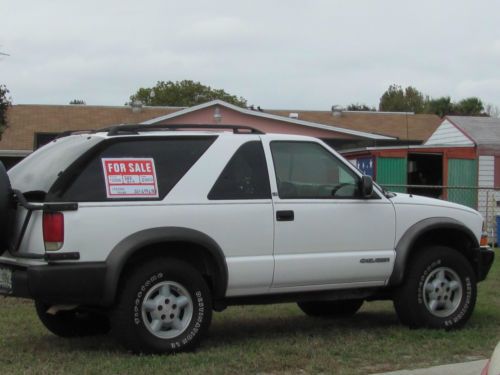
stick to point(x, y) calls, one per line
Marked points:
point(284, 215)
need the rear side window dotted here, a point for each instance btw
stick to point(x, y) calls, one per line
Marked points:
point(245, 175)
point(132, 169)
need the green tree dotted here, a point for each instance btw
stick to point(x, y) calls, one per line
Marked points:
point(360, 107)
point(184, 93)
point(415, 100)
point(398, 100)
point(395, 98)
point(5, 103)
point(77, 102)
point(469, 107)
point(439, 106)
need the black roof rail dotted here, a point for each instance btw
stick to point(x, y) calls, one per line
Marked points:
point(136, 128)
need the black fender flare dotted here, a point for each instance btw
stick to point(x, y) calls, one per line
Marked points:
point(117, 258)
point(412, 234)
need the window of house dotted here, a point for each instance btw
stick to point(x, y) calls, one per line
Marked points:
point(42, 138)
point(307, 170)
point(245, 175)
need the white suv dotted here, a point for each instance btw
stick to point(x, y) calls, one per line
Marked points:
point(145, 230)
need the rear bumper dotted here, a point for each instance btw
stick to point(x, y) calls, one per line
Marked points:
point(81, 283)
point(483, 257)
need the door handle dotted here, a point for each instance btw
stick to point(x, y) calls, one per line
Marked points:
point(284, 215)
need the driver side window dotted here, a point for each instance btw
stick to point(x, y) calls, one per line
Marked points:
point(306, 170)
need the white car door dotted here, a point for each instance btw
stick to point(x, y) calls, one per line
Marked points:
point(326, 235)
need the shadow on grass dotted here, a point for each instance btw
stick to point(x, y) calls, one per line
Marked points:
point(102, 343)
point(240, 330)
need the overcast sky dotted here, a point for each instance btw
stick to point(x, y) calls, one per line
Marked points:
point(276, 54)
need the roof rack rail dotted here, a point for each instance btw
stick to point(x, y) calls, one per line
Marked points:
point(136, 128)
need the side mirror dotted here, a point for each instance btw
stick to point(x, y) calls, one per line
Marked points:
point(366, 186)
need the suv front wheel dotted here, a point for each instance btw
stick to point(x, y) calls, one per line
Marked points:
point(439, 290)
point(164, 307)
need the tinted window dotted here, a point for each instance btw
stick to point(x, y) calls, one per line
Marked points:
point(172, 158)
point(245, 175)
point(307, 170)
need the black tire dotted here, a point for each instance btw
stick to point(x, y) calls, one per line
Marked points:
point(134, 326)
point(7, 210)
point(72, 323)
point(430, 297)
point(332, 309)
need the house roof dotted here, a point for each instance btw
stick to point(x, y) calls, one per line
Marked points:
point(404, 126)
point(484, 131)
point(271, 116)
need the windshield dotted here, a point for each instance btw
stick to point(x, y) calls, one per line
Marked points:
point(39, 170)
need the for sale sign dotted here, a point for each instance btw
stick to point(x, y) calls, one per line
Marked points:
point(130, 177)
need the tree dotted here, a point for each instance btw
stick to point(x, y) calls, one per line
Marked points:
point(440, 106)
point(5, 104)
point(184, 93)
point(469, 107)
point(77, 101)
point(398, 100)
point(393, 99)
point(360, 107)
point(410, 99)
point(414, 99)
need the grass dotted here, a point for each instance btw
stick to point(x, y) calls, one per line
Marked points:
point(275, 339)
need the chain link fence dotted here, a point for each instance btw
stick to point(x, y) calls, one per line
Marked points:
point(484, 199)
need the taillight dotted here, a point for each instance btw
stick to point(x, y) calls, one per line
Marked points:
point(53, 230)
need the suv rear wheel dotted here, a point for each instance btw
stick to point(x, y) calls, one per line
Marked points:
point(439, 290)
point(333, 309)
point(164, 307)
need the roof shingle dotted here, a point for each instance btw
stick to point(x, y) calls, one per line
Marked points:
point(484, 131)
point(420, 127)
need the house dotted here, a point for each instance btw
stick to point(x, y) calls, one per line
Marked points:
point(31, 126)
point(218, 112)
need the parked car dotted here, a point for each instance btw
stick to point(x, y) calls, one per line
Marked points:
point(148, 229)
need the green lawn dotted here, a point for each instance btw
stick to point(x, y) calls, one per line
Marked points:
point(273, 339)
